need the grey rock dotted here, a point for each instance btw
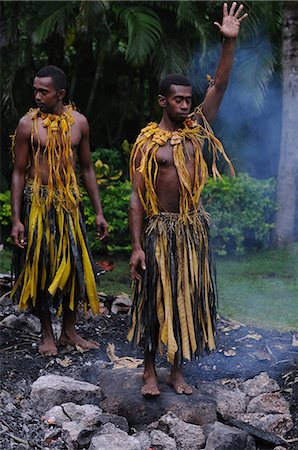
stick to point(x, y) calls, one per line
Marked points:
point(230, 400)
point(5, 397)
point(144, 439)
point(223, 437)
point(24, 322)
point(278, 424)
point(70, 412)
point(161, 441)
point(269, 403)
point(50, 390)
point(112, 438)
point(187, 435)
point(260, 384)
point(123, 397)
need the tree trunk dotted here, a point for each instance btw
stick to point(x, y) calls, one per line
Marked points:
point(287, 180)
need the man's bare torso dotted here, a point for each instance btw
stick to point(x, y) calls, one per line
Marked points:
point(76, 136)
point(167, 186)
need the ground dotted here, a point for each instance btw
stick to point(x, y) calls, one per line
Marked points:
point(242, 352)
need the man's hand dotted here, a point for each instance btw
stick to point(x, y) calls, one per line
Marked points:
point(101, 227)
point(137, 261)
point(231, 21)
point(17, 234)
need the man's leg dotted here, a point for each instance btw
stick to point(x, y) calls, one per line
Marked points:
point(177, 380)
point(150, 386)
point(69, 335)
point(48, 346)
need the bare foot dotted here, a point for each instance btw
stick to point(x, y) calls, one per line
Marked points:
point(179, 384)
point(150, 386)
point(74, 339)
point(47, 347)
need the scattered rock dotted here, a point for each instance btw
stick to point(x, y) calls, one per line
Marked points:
point(114, 439)
point(260, 384)
point(223, 437)
point(230, 400)
point(70, 412)
point(278, 424)
point(269, 403)
point(161, 441)
point(24, 322)
point(186, 435)
point(50, 390)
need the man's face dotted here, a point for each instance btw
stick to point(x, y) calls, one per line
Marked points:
point(178, 103)
point(45, 94)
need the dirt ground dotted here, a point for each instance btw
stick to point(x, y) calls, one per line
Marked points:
point(242, 352)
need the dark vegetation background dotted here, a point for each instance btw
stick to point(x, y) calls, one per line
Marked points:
point(114, 53)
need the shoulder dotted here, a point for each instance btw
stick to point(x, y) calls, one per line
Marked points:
point(25, 124)
point(80, 120)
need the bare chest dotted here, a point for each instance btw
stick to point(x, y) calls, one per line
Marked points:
point(165, 155)
point(42, 136)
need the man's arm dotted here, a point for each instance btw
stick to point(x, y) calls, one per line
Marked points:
point(21, 151)
point(89, 179)
point(229, 30)
point(136, 222)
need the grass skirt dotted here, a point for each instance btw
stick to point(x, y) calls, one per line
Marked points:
point(56, 266)
point(175, 301)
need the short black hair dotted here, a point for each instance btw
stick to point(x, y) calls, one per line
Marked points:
point(173, 78)
point(57, 75)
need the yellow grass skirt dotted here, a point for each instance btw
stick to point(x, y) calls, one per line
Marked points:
point(56, 268)
point(175, 301)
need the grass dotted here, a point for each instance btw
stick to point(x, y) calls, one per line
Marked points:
point(260, 288)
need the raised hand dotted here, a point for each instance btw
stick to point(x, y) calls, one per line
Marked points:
point(231, 21)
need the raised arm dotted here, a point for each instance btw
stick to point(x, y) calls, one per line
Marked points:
point(21, 151)
point(136, 222)
point(89, 178)
point(229, 30)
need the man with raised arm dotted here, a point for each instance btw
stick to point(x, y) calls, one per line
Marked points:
point(174, 297)
point(52, 263)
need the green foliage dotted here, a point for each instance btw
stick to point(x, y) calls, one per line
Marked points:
point(241, 210)
point(5, 208)
point(115, 202)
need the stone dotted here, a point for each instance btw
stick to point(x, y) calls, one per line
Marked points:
point(144, 439)
point(230, 400)
point(25, 322)
point(223, 437)
point(260, 384)
point(122, 388)
point(70, 411)
point(187, 435)
point(269, 403)
point(278, 424)
point(112, 438)
point(50, 390)
point(161, 441)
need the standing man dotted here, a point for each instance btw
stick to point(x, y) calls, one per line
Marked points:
point(52, 263)
point(174, 299)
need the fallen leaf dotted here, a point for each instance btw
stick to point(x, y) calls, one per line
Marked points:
point(64, 362)
point(124, 361)
point(230, 352)
point(254, 336)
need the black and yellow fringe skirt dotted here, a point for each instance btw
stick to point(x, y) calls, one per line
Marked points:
point(55, 270)
point(174, 303)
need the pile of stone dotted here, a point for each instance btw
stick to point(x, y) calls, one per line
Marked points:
point(242, 415)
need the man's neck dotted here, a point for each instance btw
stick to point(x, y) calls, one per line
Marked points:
point(57, 110)
point(169, 125)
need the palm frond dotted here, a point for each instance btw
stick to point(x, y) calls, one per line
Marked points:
point(59, 15)
point(144, 31)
